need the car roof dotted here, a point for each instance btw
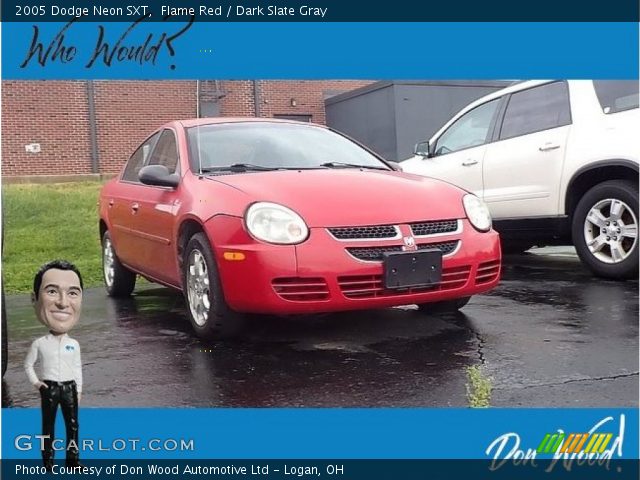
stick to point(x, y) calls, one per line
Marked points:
point(198, 122)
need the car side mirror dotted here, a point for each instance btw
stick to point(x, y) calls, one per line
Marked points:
point(395, 166)
point(159, 176)
point(422, 149)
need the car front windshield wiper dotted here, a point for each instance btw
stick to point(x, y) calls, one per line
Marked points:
point(350, 165)
point(239, 167)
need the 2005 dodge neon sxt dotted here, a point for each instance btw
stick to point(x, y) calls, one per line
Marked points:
point(267, 216)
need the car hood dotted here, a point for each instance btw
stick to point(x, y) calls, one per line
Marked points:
point(349, 197)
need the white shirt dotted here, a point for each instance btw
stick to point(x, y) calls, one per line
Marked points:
point(59, 359)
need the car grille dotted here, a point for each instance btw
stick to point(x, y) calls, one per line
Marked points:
point(445, 247)
point(488, 272)
point(376, 254)
point(298, 289)
point(375, 232)
point(371, 286)
point(432, 228)
point(364, 233)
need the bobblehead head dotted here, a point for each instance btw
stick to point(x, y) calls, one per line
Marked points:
point(58, 301)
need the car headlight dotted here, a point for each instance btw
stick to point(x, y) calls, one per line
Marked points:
point(274, 223)
point(477, 212)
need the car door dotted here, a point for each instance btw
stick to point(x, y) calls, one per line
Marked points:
point(157, 214)
point(523, 166)
point(123, 206)
point(457, 155)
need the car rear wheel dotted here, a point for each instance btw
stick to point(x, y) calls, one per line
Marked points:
point(605, 229)
point(118, 279)
point(208, 311)
point(445, 306)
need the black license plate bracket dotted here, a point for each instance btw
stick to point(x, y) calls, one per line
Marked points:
point(404, 270)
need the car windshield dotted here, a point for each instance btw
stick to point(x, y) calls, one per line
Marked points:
point(269, 146)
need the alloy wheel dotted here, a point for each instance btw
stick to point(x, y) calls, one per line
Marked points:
point(108, 262)
point(611, 230)
point(198, 291)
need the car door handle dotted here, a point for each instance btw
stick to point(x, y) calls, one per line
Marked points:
point(135, 207)
point(548, 147)
point(468, 163)
point(111, 202)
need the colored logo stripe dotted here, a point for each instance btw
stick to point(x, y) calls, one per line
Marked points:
point(581, 443)
point(574, 442)
point(600, 444)
point(550, 443)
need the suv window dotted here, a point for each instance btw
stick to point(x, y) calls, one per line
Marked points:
point(136, 162)
point(166, 151)
point(536, 109)
point(470, 130)
point(616, 95)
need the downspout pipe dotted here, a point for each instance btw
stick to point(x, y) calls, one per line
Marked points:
point(256, 98)
point(93, 128)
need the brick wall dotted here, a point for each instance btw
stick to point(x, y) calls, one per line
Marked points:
point(53, 114)
point(56, 115)
point(238, 98)
point(127, 112)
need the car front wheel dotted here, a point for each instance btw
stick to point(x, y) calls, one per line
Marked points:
point(445, 306)
point(118, 279)
point(605, 229)
point(208, 311)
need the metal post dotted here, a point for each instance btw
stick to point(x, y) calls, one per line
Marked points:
point(93, 128)
point(256, 98)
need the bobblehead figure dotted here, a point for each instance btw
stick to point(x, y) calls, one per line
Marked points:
point(57, 299)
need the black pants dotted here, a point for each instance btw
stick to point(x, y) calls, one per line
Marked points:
point(64, 394)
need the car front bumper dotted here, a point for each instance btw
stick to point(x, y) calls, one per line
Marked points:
point(320, 275)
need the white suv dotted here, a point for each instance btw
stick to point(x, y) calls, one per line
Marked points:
point(555, 161)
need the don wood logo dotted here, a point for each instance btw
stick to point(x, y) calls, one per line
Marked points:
point(594, 447)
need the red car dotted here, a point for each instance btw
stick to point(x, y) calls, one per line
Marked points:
point(280, 217)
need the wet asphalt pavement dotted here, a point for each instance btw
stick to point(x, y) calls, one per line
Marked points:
point(550, 335)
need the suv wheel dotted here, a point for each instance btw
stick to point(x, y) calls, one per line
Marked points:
point(605, 229)
point(208, 311)
point(118, 279)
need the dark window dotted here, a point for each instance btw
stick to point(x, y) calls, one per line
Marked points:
point(166, 151)
point(536, 109)
point(136, 162)
point(293, 116)
point(617, 95)
point(470, 130)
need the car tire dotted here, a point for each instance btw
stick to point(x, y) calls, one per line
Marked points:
point(605, 229)
point(119, 281)
point(445, 306)
point(207, 308)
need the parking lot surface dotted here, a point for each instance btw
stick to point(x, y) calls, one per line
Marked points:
point(550, 335)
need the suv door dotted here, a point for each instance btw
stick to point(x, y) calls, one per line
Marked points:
point(456, 156)
point(523, 166)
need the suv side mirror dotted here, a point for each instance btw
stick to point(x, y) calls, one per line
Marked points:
point(422, 149)
point(159, 176)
